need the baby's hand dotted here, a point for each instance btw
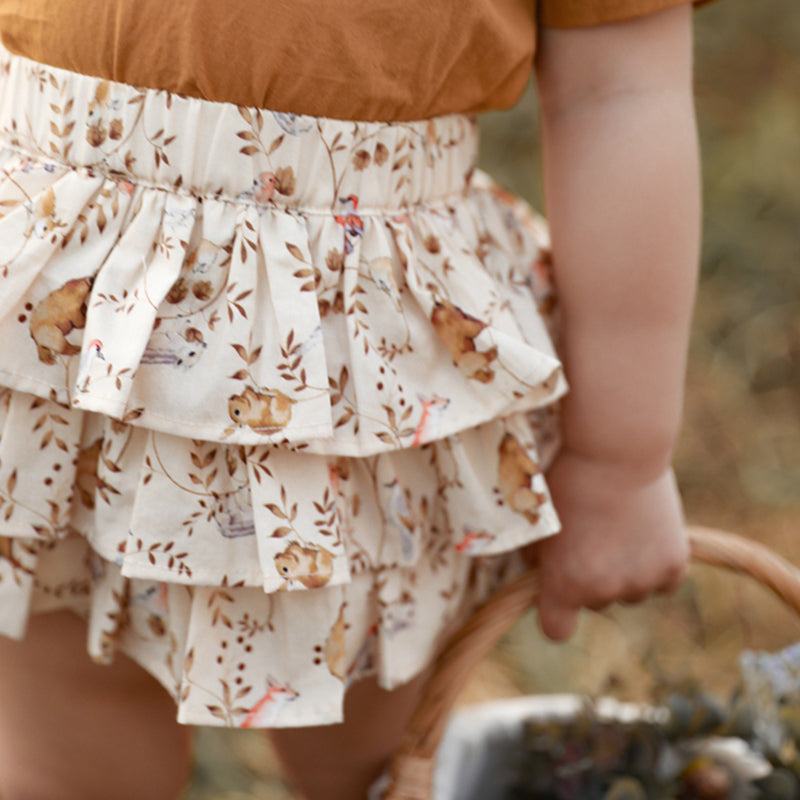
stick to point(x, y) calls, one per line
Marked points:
point(623, 538)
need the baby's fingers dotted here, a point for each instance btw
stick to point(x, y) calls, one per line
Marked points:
point(557, 620)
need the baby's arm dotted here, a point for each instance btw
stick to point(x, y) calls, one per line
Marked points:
point(622, 198)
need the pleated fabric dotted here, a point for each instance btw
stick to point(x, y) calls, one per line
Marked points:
point(277, 391)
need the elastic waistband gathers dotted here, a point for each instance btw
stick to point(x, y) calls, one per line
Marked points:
point(183, 144)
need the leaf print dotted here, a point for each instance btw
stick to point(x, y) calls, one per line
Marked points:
point(246, 115)
point(339, 386)
point(295, 251)
point(178, 291)
point(203, 290)
point(344, 418)
point(390, 415)
point(236, 302)
point(361, 160)
point(334, 260)
point(276, 143)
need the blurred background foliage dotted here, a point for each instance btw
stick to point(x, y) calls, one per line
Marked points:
point(739, 458)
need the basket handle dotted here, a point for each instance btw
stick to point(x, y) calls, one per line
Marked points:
point(412, 767)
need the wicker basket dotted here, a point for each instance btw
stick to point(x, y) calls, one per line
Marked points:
point(413, 765)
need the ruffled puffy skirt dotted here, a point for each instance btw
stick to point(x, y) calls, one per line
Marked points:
point(277, 394)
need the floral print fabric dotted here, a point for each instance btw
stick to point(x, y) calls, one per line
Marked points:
point(279, 390)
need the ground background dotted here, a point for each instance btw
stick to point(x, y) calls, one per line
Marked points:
point(739, 459)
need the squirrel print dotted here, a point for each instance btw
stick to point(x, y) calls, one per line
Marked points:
point(264, 412)
point(334, 650)
point(86, 479)
point(267, 709)
point(521, 481)
point(311, 565)
point(62, 311)
point(541, 281)
point(43, 210)
point(364, 662)
point(458, 330)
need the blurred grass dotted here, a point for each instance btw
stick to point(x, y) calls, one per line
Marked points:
point(739, 458)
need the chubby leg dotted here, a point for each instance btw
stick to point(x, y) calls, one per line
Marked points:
point(74, 730)
point(339, 762)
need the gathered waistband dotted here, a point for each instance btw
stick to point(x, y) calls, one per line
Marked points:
point(211, 149)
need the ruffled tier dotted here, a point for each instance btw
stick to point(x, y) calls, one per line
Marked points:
point(278, 391)
point(228, 571)
point(370, 310)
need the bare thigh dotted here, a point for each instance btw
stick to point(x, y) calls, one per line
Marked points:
point(339, 762)
point(70, 728)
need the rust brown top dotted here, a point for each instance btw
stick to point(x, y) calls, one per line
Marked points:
point(351, 59)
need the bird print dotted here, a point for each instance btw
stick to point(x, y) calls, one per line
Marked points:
point(313, 340)
point(351, 223)
point(264, 187)
point(381, 271)
point(89, 355)
point(154, 596)
point(293, 124)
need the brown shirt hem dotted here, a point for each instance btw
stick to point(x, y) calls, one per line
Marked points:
point(346, 59)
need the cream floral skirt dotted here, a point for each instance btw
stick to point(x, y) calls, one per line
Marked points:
point(277, 394)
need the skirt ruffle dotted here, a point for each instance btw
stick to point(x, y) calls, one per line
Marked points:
point(279, 390)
